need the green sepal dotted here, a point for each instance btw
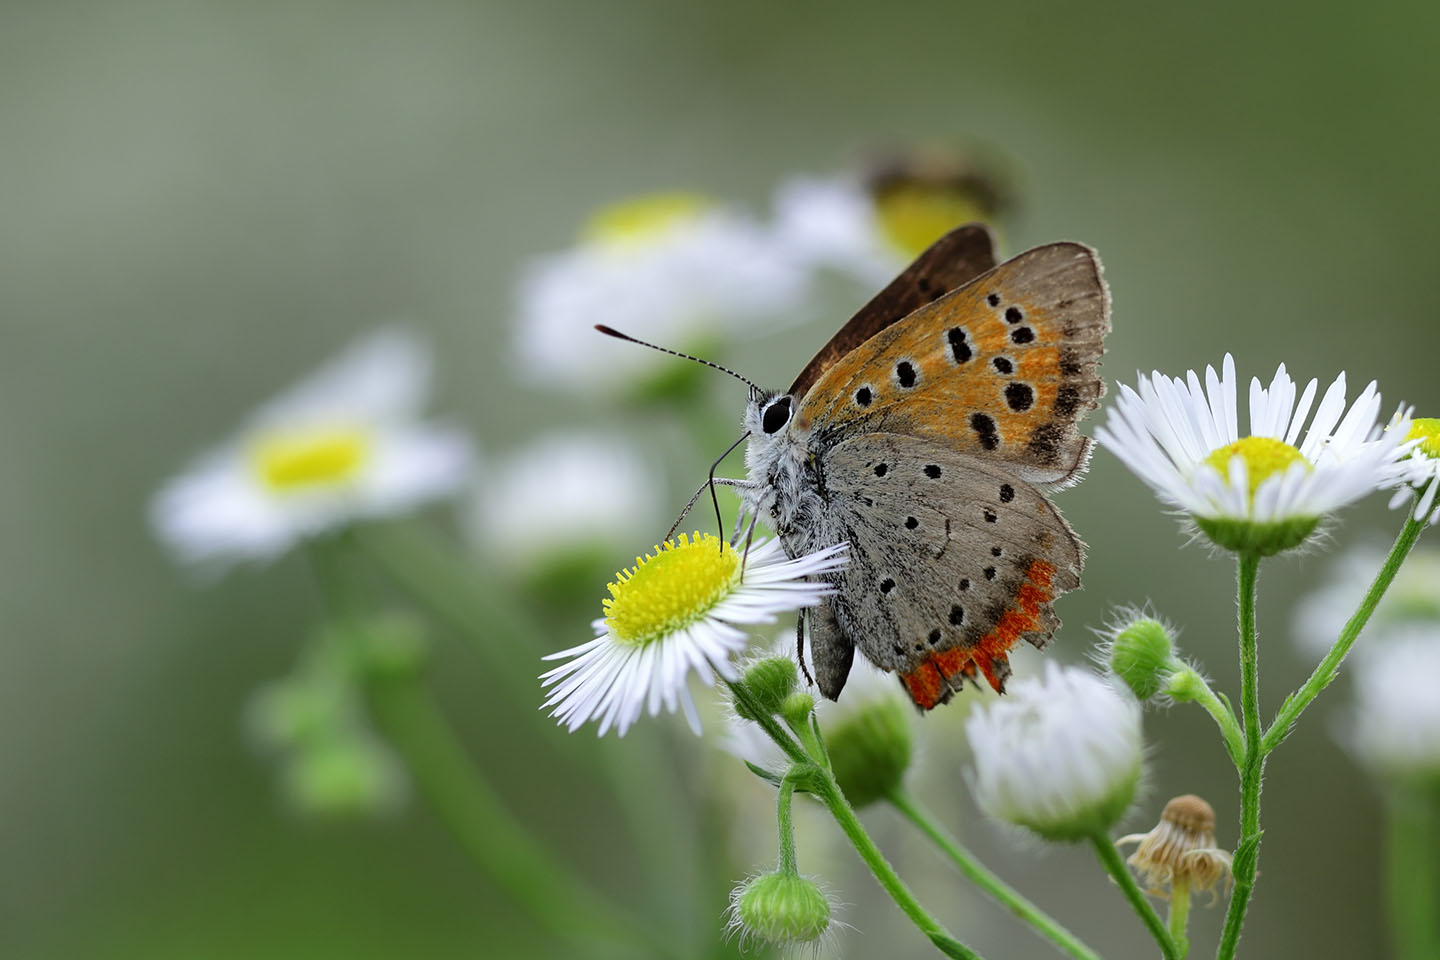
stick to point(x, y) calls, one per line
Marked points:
point(769, 776)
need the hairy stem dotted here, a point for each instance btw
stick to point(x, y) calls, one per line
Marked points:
point(1329, 667)
point(1252, 769)
point(1114, 865)
point(829, 794)
point(999, 891)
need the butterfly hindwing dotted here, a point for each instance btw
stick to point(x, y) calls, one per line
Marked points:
point(1001, 368)
point(952, 561)
point(947, 264)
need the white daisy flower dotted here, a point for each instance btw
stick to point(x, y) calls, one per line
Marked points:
point(1395, 729)
point(345, 444)
point(674, 269)
point(1420, 471)
point(564, 492)
point(681, 609)
point(1413, 597)
point(1268, 490)
point(1060, 756)
point(872, 228)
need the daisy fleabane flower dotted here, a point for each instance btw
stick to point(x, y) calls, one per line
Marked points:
point(1394, 727)
point(683, 608)
point(1061, 756)
point(870, 226)
point(674, 268)
point(1420, 471)
point(1265, 491)
point(345, 444)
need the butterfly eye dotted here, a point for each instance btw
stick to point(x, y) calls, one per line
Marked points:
point(776, 415)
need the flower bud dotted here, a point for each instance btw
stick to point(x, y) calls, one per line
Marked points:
point(869, 735)
point(346, 775)
point(779, 908)
point(392, 645)
point(1061, 756)
point(770, 682)
point(1141, 653)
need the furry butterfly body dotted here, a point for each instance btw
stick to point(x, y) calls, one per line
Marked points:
point(927, 433)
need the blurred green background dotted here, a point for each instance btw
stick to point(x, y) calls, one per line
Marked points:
point(202, 199)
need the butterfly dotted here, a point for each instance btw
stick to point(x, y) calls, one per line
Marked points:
point(927, 433)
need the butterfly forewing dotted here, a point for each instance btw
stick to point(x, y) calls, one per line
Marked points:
point(952, 561)
point(1001, 368)
point(949, 263)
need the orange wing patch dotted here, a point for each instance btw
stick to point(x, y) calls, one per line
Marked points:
point(930, 683)
point(1003, 367)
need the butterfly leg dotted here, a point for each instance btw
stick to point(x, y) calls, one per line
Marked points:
point(832, 652)
point(800, 646)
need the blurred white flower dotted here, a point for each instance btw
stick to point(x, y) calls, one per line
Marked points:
point(562, 492)
point(871, 228)
point(1396, 722)
point(345, 444)
point(1060, 756)
point(1420, 471)
point(684, 608)
point(1260, 492)
point(1413, 597)
point(674, 269)
point(833, 223)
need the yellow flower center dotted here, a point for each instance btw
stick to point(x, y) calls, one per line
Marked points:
point(1427, 431)
point(915, 215)
point(1264, 457)
point(670, 589)
point(301, 459)
point(641, 220)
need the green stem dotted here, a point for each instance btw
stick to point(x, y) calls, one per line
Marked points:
point(1224, 717)
point(441, 581)
point(1413, 887)
point(1252, 769)
point(829, 793)
point(500, 844)
point(991, 885)
point(750, 707)
point(1180, 913)
point(1114, 865)
point(1291, 709)
point(783, 805)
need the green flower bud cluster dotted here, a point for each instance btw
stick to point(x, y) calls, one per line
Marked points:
point(313, 720)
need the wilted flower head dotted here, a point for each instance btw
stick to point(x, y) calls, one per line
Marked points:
point(1181, 849)
point(1269, 490)
point(1060, 756)
point(674, 268)
point(346, 444)
point(683, 608)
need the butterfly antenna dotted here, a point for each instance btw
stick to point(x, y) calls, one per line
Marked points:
point(612, 332)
